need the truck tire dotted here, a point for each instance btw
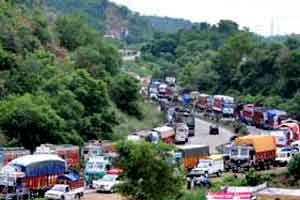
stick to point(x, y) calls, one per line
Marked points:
point(62, 198)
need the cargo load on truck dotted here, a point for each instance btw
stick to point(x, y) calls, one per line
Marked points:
point(191, 154)
point(30, 173)
point(68, 152)
point(205, 102)
point(258, 151)
point(274, 118)
point(223, 105)
point(8, 154)
point(166, 133)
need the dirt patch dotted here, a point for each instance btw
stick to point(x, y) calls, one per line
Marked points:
point(100, 196)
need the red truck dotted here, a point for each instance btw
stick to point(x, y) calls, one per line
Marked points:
point(31, 174)
point(70, 153)
point(223, 105)
point(8, 154)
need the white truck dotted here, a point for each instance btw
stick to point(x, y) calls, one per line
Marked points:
point(283, 155)
point(212, 165)
point(181, 133)
point(64, 192)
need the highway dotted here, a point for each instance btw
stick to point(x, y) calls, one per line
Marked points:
point(202, 135)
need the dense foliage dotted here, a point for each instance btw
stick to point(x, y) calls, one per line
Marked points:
point(54, 79)
point(148, 172)
point(222, 59)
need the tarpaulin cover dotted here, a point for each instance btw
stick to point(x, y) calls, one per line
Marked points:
point(40, 165)
point(272, 113)
point(261, 143)
point(186, 99)
point(72, 176)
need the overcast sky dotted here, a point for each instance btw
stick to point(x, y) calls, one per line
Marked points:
point(255, 14)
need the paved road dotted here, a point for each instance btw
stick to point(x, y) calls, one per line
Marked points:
point(202, 135)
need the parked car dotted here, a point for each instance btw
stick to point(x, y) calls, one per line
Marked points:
point(107, 183)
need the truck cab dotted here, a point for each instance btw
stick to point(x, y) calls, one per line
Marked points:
point(96, 168)
point(283, 155)
point(214, 164)
point(241, 156)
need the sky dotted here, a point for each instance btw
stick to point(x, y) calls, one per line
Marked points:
point(258, 15)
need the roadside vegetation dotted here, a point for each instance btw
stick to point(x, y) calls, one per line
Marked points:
point(224, 59)
point(61, 82)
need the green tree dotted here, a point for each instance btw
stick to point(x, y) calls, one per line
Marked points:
point(74, 32)
point(124, 91)
point(30, 120)
point(147, 173)
point(294, 166)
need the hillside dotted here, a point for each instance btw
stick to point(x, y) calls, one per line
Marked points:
point(60, 82)
point(111, 19)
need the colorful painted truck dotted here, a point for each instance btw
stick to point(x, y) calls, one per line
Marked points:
point(30, 174)
point(9, 154)
point(166, 133)
point(191, 154)
point(258, 151)
point(223, 105)
point(205, 102)
point(96, 168)
point(68, 152)
point(274, 118)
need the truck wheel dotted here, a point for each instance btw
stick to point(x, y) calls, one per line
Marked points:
point(77, 196)
point(62, 198)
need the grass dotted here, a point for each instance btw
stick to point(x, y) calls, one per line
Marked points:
point(152, 117)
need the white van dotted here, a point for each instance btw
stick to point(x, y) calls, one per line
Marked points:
point(213, 165)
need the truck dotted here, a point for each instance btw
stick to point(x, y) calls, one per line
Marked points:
point(247, 113)
point(223, 105)
point(181, 133)
point(257, 151)
point(8, 154)
point(274, 118)
point(205, 102)
point(166, 133)
point(283, 136)
point(70, 153)
point(30, 175)
point(96, 168)
point(283, 156)
point(212, 165)
point(70, 186)
point(191, 154)
point(91, 149)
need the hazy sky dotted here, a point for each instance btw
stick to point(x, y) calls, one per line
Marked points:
point(255, 14)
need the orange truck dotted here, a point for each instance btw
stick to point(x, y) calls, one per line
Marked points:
point(191, 154)
point(258, 151)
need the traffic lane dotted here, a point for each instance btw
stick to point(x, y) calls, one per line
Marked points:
point(202, 135)
point(102, 196)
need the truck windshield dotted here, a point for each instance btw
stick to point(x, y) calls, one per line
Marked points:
point(60, 188)
point(244, 152)
point(234, 152)
point(204, 163)
point(99, 165)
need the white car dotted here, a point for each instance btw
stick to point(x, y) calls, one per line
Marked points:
point(64, 192)
point(107, 183)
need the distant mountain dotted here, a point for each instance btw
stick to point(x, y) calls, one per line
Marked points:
point(113, 20)
point(167, 24)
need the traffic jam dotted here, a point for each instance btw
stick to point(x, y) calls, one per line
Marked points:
point(48, 171)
